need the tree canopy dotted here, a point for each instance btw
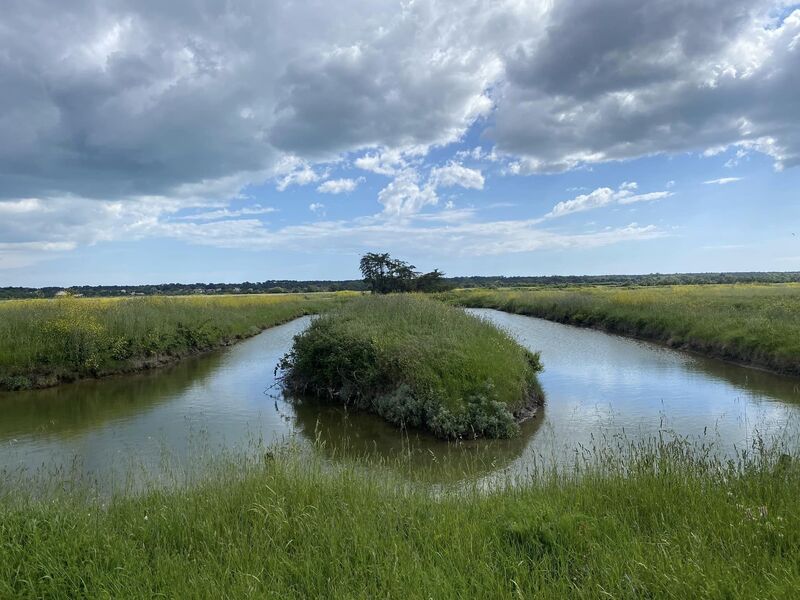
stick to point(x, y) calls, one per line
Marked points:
point(384, 274)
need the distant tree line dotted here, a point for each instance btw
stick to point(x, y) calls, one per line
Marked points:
point(423, 282)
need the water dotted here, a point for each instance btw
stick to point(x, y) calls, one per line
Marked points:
point(597, 387)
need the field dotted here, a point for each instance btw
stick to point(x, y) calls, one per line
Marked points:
point(416, 361)
point(45, 342)
point(754, 324)
point(654, 520)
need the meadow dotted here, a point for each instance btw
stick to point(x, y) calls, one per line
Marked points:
point(754, 324)
point(416, 362)
point(655, 519)
point(46, 342)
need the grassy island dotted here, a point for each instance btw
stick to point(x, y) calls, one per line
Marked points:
point(753, 324)
point(47, 342)
point(416, 362)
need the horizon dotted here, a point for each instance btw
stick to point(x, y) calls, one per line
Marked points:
point(447, 276)
point(233, 142)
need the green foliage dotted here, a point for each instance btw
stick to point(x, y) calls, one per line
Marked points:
point(43, 342)
point(416, 362)
point(384, 275)
point(757, 324)
point(655, 521)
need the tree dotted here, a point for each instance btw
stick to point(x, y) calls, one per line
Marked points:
point(384, 274)
point(431, 282)
point(375, 269)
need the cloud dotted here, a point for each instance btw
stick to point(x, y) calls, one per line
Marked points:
point(383, 163)
point(302, 175)
point(621, 79)
point(456, 174)
point(129, 99)
point(119, 116)
point(445, 233)
point(603, 197)
point(649, 197)
point(225, 213)
point(317, 208)
point(33, 229)
point(404, 195)
point(18, 207)
point(722, 180)
point(123, 99)
point(339, 186)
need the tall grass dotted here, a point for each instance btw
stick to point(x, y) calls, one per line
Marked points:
point(44, 342)
point(756, 324)
point(418, 362)
point(656, 520)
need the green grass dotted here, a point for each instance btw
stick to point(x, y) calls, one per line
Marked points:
point(45, 342)
point(652, 521)
point(416, 362)
point(756, 324)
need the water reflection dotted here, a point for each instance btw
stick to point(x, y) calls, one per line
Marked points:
point(597, 386)
point(340, 433)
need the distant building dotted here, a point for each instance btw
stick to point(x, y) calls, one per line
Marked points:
point(62, 293)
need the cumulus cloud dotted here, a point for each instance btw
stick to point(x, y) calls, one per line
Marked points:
point(455, 174)
point(405, 196)
point(339, 186)
point(303, 175)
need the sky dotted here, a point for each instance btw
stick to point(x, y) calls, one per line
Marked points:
point(225, 141)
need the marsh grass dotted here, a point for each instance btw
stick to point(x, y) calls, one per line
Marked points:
point(649, 519)
point(44, 342)
point(416, 362)
point(755, 324)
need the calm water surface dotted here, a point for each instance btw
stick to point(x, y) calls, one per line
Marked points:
point(597, 386)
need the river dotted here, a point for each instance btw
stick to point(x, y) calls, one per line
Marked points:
point(599, 389)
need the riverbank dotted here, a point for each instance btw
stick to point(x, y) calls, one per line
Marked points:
point(48, 342)
point(757, 325)
point(417, 362)
point(651, 520)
